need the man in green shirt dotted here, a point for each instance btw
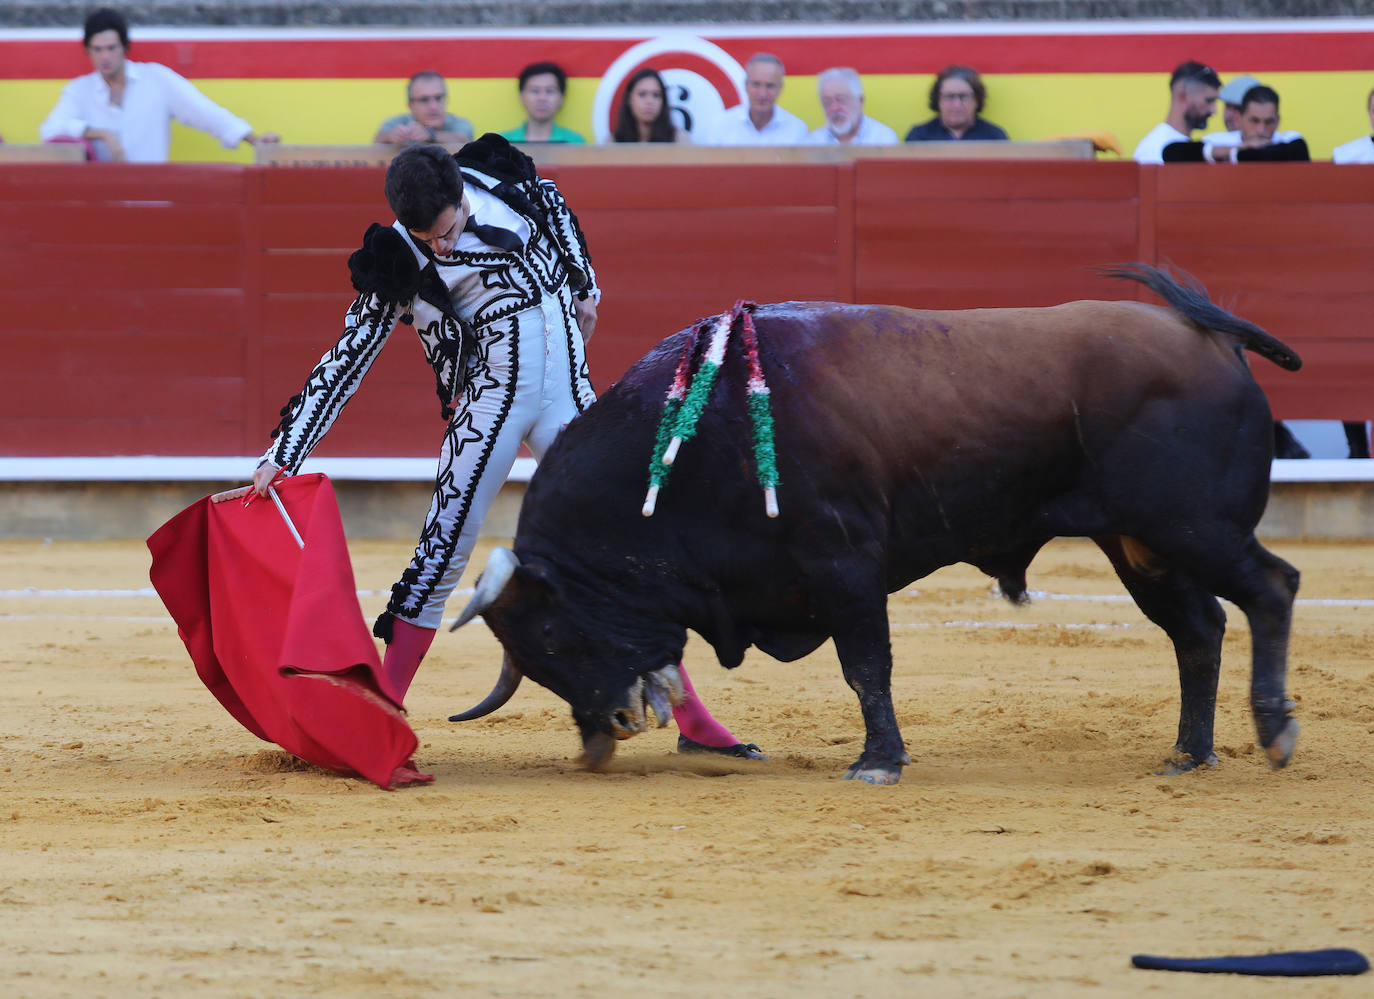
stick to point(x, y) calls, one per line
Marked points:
point(543, 85)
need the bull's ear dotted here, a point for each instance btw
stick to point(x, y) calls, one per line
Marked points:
point(536, 578)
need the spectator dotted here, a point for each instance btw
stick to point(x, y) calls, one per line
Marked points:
point(1359, 150)
point(759, 121)
point(644, 114)
point(841, 94)
point(543, 86)
point(124, 109)
point(428, 119)
point(1257, 135)
point(1193, 90)
point(957, 98)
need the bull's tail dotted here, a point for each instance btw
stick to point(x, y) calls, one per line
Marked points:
point(1191, 300)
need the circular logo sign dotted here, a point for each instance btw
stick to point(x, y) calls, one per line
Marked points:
point(700, 77)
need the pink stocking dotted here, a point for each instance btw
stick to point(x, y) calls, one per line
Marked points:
point(695, 722)
point(406, 649)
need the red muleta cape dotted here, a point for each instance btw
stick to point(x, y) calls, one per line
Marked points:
point(276, 632)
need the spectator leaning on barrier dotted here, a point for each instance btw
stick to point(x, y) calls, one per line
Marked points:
point(1193, 90)
point(1359, 150)
point(1257, 136)
point(644, 114)
point(428, 119)
point(124, 109)
point(841, 93)
point(1257, 140)
point(759, 121)
point(543, 86)
point(957, 98)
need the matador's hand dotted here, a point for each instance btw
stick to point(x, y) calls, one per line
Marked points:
point(586, 317)
point(263, 476)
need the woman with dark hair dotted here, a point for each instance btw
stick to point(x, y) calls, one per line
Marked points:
point(957, 98)
point(644, 114)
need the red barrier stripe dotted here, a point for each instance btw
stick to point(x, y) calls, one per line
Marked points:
point(491, 57)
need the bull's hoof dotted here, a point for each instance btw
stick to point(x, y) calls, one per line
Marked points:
point(1280, 751)
point(1181, 762)
point(597, 750)
point(740, 750)
point(874, 773)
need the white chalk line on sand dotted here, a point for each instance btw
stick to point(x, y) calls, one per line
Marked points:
point(31, 592)
point(966, 623)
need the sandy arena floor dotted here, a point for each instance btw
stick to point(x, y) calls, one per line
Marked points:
point(151, 847)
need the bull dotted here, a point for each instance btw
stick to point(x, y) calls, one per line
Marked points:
point(906, 441)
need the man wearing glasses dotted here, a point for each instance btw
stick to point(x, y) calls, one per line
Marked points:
point(428, 119)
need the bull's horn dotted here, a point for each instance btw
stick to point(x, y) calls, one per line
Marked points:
point(506, 685)
point(501, 565)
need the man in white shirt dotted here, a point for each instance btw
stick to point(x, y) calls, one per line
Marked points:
point(125, 109)
point(842, 99)
point(759, 121)
point(1193, 91)
point(1359, 150)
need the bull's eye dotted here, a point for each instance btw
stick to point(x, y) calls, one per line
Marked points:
point(548, 631)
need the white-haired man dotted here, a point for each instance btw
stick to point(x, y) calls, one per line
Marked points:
point(759, 121)
point(841, 94)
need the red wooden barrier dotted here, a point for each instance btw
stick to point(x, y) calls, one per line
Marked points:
point(1292, 249)
point(173, 309)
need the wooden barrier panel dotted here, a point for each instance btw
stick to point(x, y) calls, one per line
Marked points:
point(123, 291)
point(174, 309)
point(674, 244)
point(1292, 249)
point(962, 235)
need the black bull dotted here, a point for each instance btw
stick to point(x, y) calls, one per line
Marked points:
point(906, 441)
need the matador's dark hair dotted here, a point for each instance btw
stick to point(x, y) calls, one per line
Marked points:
point(421, 182)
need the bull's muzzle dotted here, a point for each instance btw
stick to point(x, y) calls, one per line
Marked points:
point(654, 692)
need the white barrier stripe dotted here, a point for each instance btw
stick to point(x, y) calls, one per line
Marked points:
point(30, 591)
point(1022, 625)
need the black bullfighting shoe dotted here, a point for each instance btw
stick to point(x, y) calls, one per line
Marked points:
point(742, 750)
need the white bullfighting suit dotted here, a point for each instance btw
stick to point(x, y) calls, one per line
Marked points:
point(500, 331)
